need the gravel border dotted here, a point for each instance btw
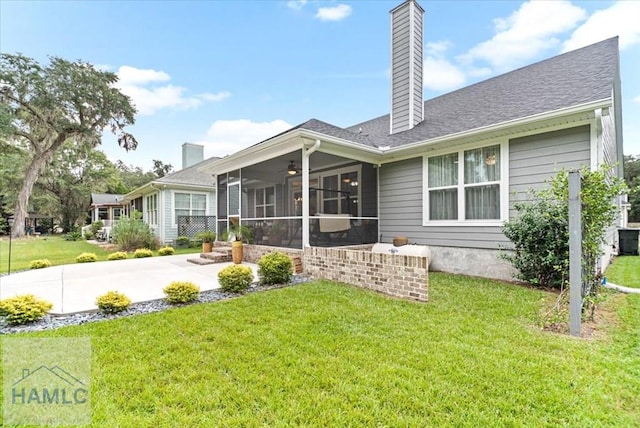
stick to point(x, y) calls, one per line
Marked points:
point(52, 322)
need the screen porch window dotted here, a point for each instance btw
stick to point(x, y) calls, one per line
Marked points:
point(188, 204)
point(265, 202)
point(465, 185)
point(151, 208)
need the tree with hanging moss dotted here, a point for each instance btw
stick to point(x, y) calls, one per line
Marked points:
point(44, 106)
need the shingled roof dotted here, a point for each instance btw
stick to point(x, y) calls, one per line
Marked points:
point(190, 176)
point(106, 199)
point(573, 78)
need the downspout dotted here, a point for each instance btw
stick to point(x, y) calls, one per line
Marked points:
point(306, 153)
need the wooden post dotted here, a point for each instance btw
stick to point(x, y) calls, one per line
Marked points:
point(575, 254)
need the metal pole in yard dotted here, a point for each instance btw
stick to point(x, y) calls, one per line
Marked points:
point(575, 254)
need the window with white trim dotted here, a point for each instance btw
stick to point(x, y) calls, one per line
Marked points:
point(465, 185)
point(189, 204)
point(151, 209)
point(265, 202)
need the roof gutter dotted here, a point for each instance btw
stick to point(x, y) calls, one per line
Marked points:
point(503, 125)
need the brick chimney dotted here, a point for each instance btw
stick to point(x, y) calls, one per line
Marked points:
point(406, 66)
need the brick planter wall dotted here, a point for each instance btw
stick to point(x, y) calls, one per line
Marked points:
point(391, 274)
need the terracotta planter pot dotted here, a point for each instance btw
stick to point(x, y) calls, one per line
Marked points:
point(399, 241)
point(207, 247)
point(236, 252)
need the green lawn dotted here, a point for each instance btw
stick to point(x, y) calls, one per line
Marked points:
point(324, 354)
point(625, 271)
point(54, 248)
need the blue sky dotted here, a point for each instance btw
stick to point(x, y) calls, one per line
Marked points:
point(228, 74)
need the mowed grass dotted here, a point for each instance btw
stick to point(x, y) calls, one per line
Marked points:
point(625, 271)
point(54, 248)
point(325, 354)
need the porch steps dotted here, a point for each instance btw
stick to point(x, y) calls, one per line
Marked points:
point(218, 255)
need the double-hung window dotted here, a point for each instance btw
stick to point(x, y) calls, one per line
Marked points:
point(265, 202)
point(189, 204)
point(465, 185)
point(151, 209)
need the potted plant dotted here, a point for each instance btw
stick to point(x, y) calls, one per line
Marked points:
point(236, 234)
point(207, 236)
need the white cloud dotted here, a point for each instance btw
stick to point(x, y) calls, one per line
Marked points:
point(229, 136)
point(440, 75)
point(524, 35)
point(296, 4)
point(637, 99)
point(335, 13)
point(149, 97)
point(622, 19)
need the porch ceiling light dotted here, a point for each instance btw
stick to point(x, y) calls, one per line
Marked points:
point(292, 169)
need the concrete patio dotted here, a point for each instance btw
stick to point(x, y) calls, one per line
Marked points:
point(75, 287)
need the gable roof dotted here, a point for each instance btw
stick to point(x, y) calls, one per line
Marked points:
point(573, 78)
point(192, 175)
point(106, 199)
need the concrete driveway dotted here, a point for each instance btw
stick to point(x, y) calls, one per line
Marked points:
point(75, 287)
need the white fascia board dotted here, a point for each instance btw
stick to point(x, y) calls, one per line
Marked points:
point(275, 147)
point(140, 191)
point(541, 117)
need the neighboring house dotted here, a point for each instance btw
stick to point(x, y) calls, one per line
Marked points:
point(106, 207)
point(444, 172)
point(187, 195)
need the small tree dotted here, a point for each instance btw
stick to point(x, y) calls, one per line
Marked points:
point(540, 231)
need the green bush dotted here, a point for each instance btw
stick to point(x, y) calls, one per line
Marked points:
point(73, 236)
point(182, 241)
point(540, 231)
point(235, 278)
point(118, 255)
point(142, 252)
point(96, 226)
point(24, 309)
point(87, 258)
point(113, 302)
point(181, 292)
point(166, 251)
point(88, 235)
point(275, 268)
point(130, 232)
point(39, 264)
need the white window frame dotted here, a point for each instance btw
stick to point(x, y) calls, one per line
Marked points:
point(345, 170)
point(264, 205)
point(503, 183)
point(151, 213)
point(174, 220)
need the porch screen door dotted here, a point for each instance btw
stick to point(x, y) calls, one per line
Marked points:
point(234, 203)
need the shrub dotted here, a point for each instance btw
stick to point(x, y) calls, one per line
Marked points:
point(181, 292)
point(142, 252)
point(130, 232)
point(166, 251)
point(540, 232)
point(182, 241)
point(235, 278)
point(113, 302)
point(87, 258)
point(96, 226)
point(73, 236)
point(118, 255)
point(275, 268)
point(88, 235)
point(39, 264)
point(24, 309)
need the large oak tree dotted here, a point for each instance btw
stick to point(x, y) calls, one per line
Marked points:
point(63, 101)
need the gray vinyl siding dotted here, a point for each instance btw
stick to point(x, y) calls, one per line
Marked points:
point(532, 159)
point(535, 159)
point(401, 212)
point(406, 54)
point(170, 229)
